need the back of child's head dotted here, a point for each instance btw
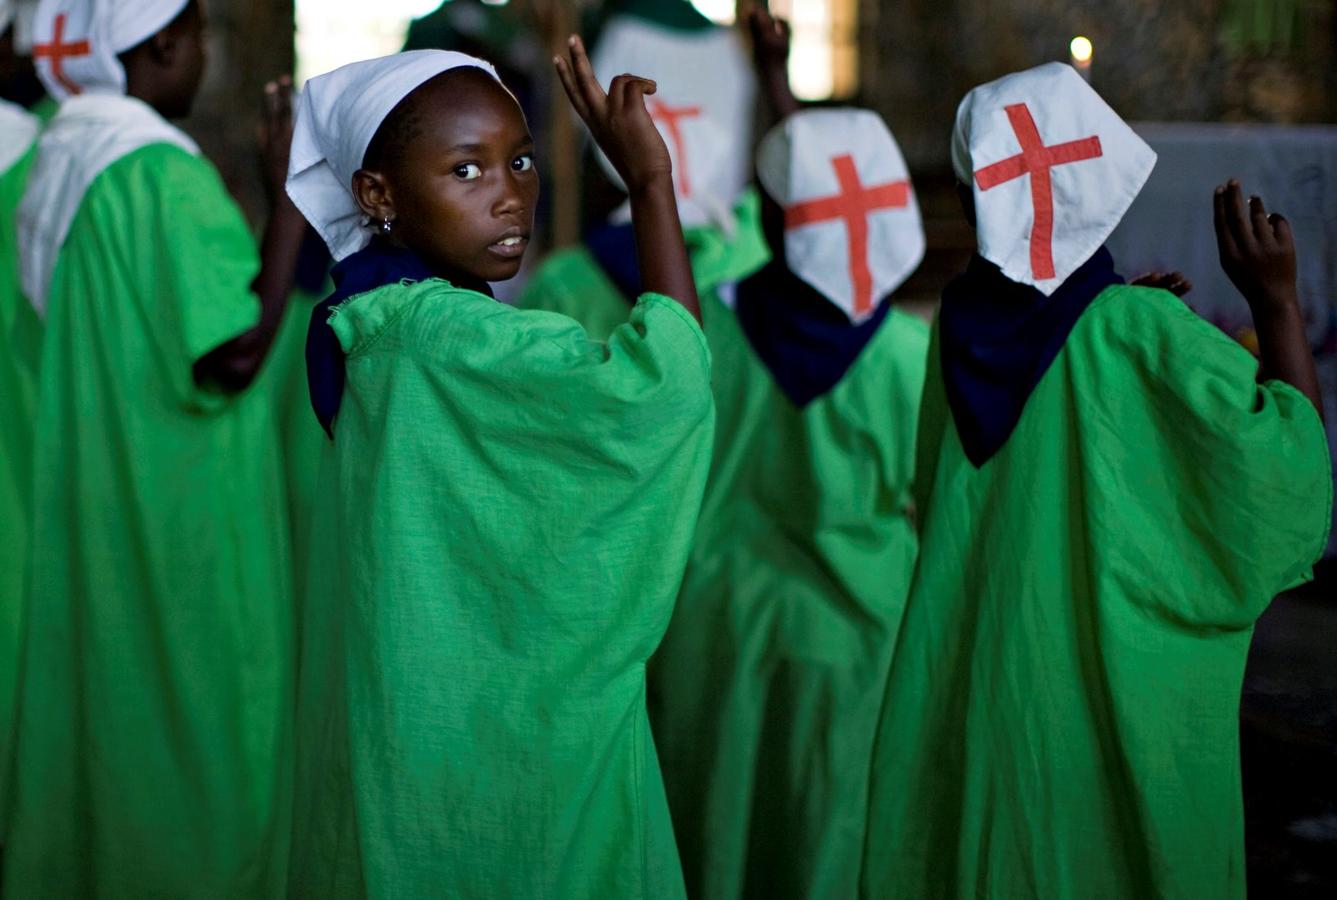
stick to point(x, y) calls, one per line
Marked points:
point(101, 47)
point(838, 205)
point(1049, 168)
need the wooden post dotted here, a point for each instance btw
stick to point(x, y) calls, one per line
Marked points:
point(556, 20)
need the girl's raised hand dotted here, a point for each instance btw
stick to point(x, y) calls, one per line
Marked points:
point(618, 120)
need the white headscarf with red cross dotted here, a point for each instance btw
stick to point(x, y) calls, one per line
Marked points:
point(1052, 168)
point(852, 225)
point(76, 42)
point(703, 107)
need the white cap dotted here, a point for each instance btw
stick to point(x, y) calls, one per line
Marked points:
point(1053, 169)
point(337, 116)
point(852, 225)
point(75, 42)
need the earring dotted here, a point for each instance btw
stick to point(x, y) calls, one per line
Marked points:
point(387, 226)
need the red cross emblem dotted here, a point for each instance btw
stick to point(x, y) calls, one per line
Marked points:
point(57, 51)
point(853, 204)
point(1037, 159)
point(669, 115)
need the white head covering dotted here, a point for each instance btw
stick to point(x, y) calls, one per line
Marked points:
point(75, 42)
point(6, 14)
point(703, 170)
point(852, 224)
point(1053, 170)
point(25, 11)
point(337, 117)
point(707, 69)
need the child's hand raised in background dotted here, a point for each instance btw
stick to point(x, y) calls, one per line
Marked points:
point(1257, 249)
point(275, 134)
point(1258, 253)
point(770, 56)
point(618, 121)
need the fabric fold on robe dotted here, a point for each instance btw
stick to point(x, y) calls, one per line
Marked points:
point(1064, 699)
point(503, 525)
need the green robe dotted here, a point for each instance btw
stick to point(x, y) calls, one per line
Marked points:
point(1061, 718)
point(770, 677)
point(153, 747)
point(502, 526)
point(20, 346)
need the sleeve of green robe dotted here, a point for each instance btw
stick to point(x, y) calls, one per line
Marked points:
point(197, 254)
point(1238, 471)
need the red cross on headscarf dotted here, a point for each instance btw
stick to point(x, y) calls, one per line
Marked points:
point(1037, 159)
point(853, 204)
point(57, 51)
point(669, 115)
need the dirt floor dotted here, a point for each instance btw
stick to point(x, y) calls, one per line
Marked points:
point(1288, 736)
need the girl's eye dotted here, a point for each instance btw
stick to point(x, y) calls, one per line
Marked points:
point(523, 163)
point(468, 171)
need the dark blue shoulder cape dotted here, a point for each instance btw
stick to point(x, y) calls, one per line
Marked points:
point(805, 341)
point(377, 265)
point(997, 338)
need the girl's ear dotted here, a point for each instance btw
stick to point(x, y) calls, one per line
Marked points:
point(372, 193)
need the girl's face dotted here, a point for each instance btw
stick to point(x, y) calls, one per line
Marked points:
point(463, 190)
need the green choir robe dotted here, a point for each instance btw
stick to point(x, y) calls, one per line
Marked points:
point(153, 745)
point(501, 529)
point(766, 690)
point(1061, 717)
point(20, 347)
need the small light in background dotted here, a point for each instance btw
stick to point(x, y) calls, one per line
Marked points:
point(1081, 51)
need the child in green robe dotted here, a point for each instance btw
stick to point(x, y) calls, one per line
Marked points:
point(156, 687)
point(766, 691)
point(1110, 493)
point(507, 510)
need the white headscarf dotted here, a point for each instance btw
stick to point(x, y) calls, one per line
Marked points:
point(817, 161)
point(76, 42)
point(1045, 124)
point(337, 117)
point(6, 14)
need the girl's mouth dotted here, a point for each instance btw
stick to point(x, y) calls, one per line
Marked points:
point(509, 247)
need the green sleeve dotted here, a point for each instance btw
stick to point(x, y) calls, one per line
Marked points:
point(195, 256)
point(1238, 471)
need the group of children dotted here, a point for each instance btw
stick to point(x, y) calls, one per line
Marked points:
point(701, 570)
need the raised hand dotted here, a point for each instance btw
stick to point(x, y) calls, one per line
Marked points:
point(1174, 282)
point(770, 56)
point(618, 120)
point(1258, 253)
point(275, 137)
point(1257, 249)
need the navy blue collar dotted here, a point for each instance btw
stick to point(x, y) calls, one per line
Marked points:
point(377, 265)
point(997, 338)
point(806, 341)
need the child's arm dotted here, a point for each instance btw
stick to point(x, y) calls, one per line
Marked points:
point(623, 129)
point(1174, 282)
point(1258, 254)
point(770, 55)
point(235, 364)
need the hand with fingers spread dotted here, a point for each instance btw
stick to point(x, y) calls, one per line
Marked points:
point(770, 56)
point(1174, 282)
point(618, 120)
point(1257, 250)
point(1258, 253)
point(275, 136)
point(621, 126)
